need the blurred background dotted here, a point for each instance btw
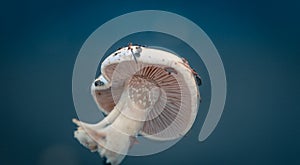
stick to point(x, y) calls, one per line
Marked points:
point(258, 42)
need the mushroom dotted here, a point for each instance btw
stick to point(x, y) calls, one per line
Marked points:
point(143, 91)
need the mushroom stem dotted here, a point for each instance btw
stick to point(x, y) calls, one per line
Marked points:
point(116, 133)
point(103, 123)
point(84, 133)
point(114, 140)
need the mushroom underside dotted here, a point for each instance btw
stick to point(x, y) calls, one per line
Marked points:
point(149, 99)
point(169, 117)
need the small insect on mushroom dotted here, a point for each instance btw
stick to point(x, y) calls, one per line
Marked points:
point(135, 53)
point(198, 79)
point(143, 92)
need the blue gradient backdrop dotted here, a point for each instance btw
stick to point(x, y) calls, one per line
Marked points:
point(258, 42)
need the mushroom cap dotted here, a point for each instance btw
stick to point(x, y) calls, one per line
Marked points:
point(176, 109)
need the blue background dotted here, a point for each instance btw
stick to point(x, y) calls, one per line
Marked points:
point(257, 41)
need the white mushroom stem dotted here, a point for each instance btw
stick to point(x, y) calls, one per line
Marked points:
point(110, 118)
point(113, 140)
point(84, 138)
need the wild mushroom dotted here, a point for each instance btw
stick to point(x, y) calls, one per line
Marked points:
point(143, 91)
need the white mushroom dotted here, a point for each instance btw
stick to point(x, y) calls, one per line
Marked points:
point(143, 91)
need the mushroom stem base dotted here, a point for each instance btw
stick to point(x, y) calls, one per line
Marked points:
point(114, 140)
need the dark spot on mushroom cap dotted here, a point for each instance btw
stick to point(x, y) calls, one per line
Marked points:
point(170, 70)
point(198, 80)
point(98, 83)
point(116, 53)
